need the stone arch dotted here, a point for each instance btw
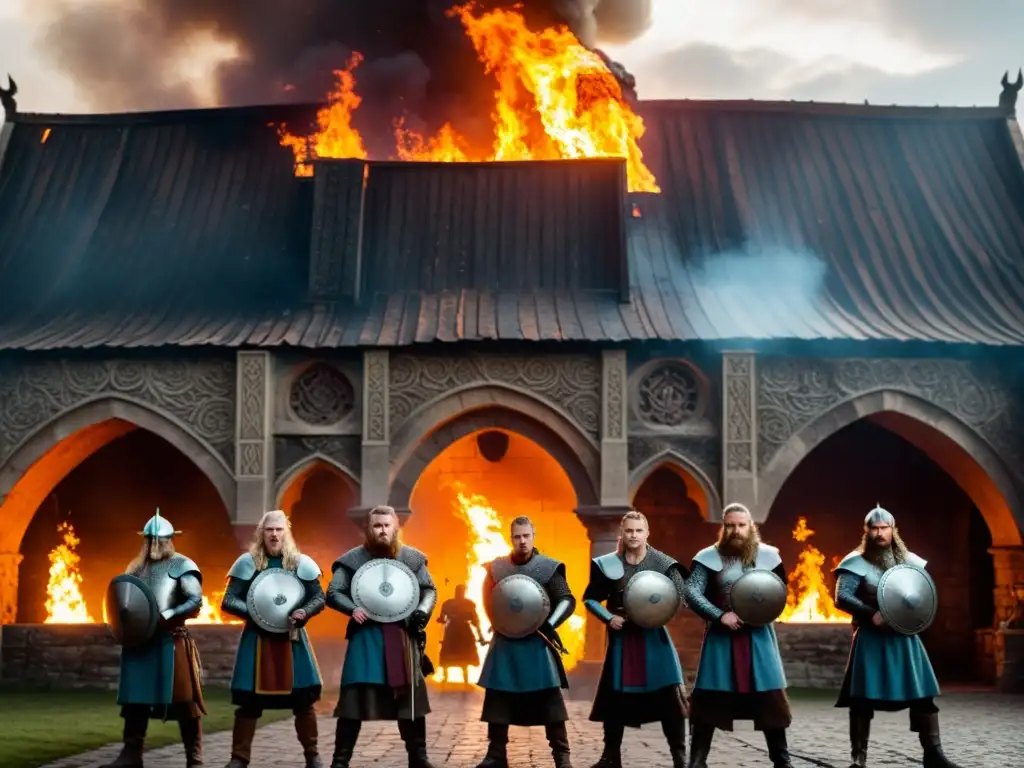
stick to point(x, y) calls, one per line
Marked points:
point(305, 464)
point(40, 461)
point(698, 486)
point(425, 435)
point(958, 449)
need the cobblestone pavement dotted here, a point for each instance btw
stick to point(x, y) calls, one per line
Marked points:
point(980, 730)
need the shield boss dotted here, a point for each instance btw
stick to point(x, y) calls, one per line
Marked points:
point(519, 606)
point(651, 599)
point(386, 589)
point(907, 599)
point(758, 597)
point(131, 610)
point(273, 595)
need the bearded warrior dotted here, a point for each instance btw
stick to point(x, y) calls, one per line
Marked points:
point(523, 677)
point(274, 671)
point(382, 677)
point(887, 671)
point(740, 675)
point(461, 634)
point(162, 677)
point(642, 679)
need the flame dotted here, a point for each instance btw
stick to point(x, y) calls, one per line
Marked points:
point(45, 136)
point(486, 543)
point(64, 601)
point(210, 612)
point(554, 100)
point(810, 599)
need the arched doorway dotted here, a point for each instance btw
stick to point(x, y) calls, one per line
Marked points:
point(682, 506)
point(936, 482)
point(469, 477)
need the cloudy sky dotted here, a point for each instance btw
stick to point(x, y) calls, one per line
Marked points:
point(886, 51)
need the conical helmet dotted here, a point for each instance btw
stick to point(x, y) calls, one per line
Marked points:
point(880, 516)
point(158, 527)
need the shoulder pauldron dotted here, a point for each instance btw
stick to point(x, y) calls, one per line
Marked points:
point(610, 566)
point(710, 558)
point(180, 565)
point(244, 568)
point(307, 569)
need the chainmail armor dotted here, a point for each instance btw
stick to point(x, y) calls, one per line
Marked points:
point(847, 586)
point(696, 598)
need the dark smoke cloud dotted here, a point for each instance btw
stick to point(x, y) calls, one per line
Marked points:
point(122, 54)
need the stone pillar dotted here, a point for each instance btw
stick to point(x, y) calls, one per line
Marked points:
point(739, 431)
point(614, 437)
point(1008, 565)
point(254, 442)
point(374, 482)
point(9, 562)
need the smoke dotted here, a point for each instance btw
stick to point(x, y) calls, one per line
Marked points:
point(128, 55)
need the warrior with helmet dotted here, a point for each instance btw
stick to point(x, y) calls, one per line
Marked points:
point(642, 679)
point(523, 675)
point(274, 670)
point(383, 674)
point(887, 670)
point(161, 676)
point(740, 675)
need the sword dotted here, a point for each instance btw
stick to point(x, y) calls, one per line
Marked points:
point(412, 680)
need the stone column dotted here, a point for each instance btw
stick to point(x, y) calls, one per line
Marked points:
point(739, 431)
point(9, 562)
point(254, 442)
point(614, 437)
point(375, 482)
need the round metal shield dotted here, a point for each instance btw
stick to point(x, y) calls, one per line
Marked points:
point(273, 596)
point(907, 599)
point(386, 589)
point(131, 610)
point(758, 597)
point(519, 606)
point(651, 599)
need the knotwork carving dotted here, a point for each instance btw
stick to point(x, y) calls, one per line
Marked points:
point(570, 382)
point(199, 393)
point(615, 396)
point(376, 396)
point(793, 392)
point(345, 450)
point(669, 395)
point(321, 395)
point(739, 434)
point(252, 417)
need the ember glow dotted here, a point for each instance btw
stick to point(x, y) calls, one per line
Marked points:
point(554, 100)
point(810, 599)
point(64, 601)
point(210, 612)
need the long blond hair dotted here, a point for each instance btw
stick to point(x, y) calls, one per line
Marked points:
point(153, 548)
point(631, 515)
point(289, 550)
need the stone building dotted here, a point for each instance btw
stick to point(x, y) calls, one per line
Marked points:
point(806, 269)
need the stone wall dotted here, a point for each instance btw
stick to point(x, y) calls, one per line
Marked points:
point(814, 655)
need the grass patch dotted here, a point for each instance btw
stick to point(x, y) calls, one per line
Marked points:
point(38, 727)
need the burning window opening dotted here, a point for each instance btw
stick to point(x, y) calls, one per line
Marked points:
point(810, 596)
point(484, 497)
point(554, 100)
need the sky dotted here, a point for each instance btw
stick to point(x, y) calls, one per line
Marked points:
point(913, 52)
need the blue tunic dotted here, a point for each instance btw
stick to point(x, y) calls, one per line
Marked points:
point(707, 594)
point(147, 672)
point(520, 665)
point(884, 665)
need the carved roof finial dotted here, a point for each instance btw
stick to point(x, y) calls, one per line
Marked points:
point(1008, 98)
point(10, 104)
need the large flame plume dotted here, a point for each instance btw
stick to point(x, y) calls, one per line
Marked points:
point(554, 100)
point(64, 601)
point(486, 543)
point(810, 599)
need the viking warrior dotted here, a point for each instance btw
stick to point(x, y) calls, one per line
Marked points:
point(161, 677)
point(642, 679)
point(274, 669)
point(887, 671)
point(523, 675)
point(383, 674)
point(461, 634)
point(740, 674)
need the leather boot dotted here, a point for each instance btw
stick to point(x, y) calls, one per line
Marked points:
point(700, 744)
point(414, 734)
point(778, 748)
point(241, 741)
point(346, 734)
point(928, 732)
point(675, 735)
point(611, 757)
point(860, 733)
point(134, 739)
point(558, 738)
point(497, 744)
point(306, 731)
point(192, 738)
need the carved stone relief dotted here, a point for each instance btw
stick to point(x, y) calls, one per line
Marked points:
point(570, 382)
point(252, 413)
point(321, 395)
point(346, 450)
point(792, 392)
point(704, 452)
point(199, 393)
point(739, 400)
point(669, 395)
